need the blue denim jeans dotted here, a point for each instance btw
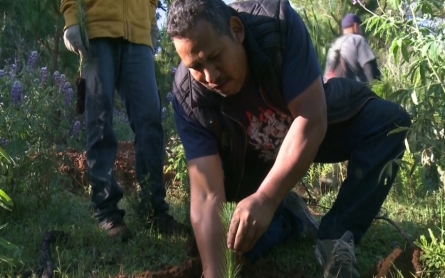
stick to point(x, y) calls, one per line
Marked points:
point(364, 141)
point(118, 65)
point(285, 226)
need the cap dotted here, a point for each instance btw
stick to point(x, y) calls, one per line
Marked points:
point(349, 20)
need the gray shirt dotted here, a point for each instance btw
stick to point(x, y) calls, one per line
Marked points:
point(355, 51)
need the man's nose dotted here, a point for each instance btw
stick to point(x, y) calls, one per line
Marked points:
point(211, 75)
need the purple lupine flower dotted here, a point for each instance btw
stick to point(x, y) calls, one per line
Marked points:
point(164, 113)
point(4, 142)
point(2, 73)
point(69, 94)
point(169, 97)
point(120, 115)
point(115, 113)
point(43, 75)
point(75, 129)
point(56, 77)
point(62, 80)
point(173, 71)
point(13, 71)
point(65, 87)
point(16, 92)
point(33, 60)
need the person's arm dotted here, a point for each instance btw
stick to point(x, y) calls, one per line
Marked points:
point(206, 189)
point(69, 10)
point(371, 70)
point(207, 196)
point(154, 32)
point(300, 145)
point(366, 59)
point(304, 93)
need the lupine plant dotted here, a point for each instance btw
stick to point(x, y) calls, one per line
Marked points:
point(34, 112)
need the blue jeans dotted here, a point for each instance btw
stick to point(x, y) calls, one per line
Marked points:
point(285, 226)
point(116, 64)
point(364, 141)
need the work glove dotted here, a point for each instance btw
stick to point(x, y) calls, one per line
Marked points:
point(154, 35)
point(73, 40)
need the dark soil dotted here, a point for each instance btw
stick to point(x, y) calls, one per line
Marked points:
point(404, 261)
point(74, 165)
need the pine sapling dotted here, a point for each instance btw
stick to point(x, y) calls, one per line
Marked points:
point(231, 268)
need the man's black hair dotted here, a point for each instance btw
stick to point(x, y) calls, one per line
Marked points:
point(184, 14)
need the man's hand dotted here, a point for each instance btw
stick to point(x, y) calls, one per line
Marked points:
point(73, 40)
point(250, 220)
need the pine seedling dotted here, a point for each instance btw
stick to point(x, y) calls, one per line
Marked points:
point(81, 19)
point(231, 268)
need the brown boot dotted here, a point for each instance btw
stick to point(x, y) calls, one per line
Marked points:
point(116, 229)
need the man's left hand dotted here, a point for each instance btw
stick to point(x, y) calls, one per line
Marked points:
point(250, 220)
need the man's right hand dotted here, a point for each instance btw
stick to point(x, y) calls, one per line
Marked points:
point(206, 198)
point(73, 40)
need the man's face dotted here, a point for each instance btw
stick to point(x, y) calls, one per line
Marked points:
point(218, 62)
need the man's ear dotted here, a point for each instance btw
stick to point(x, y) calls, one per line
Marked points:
point(356, 28)
point(237, 29)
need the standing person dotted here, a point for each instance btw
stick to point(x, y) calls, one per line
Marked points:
point(350, 56)
point(117, 54)
point(253, 114)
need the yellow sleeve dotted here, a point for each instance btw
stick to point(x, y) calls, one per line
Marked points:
point(154, 5)
point(69, 10)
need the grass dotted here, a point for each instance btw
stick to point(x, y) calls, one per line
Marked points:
point(89, 253)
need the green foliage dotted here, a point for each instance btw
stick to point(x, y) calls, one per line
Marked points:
point(421, 51)
point(177, 162)
point(231, 268)
point(5, 203)
point(43, 116)
point(34, 25)
point(434, 253)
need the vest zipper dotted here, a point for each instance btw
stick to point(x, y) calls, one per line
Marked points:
point(125, 21)
point(245, 136)
point(244, 151)
point(268, 103)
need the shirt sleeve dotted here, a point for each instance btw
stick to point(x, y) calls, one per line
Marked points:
point(300, 63)
point(364, 52)
point(196, 139)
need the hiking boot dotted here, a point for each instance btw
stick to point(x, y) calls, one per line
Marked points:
point(167, 225)
point(116, 229)
point(337, 257)
point(295, 203)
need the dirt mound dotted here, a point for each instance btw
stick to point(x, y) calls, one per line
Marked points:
point(407, 262)
point(74, 164)
point(192, 268)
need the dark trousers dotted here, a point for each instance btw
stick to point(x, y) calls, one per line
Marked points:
point(116, 64)
point(363, 140)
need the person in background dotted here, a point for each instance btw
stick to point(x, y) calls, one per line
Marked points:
point(350, 56)
point(117, 54)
